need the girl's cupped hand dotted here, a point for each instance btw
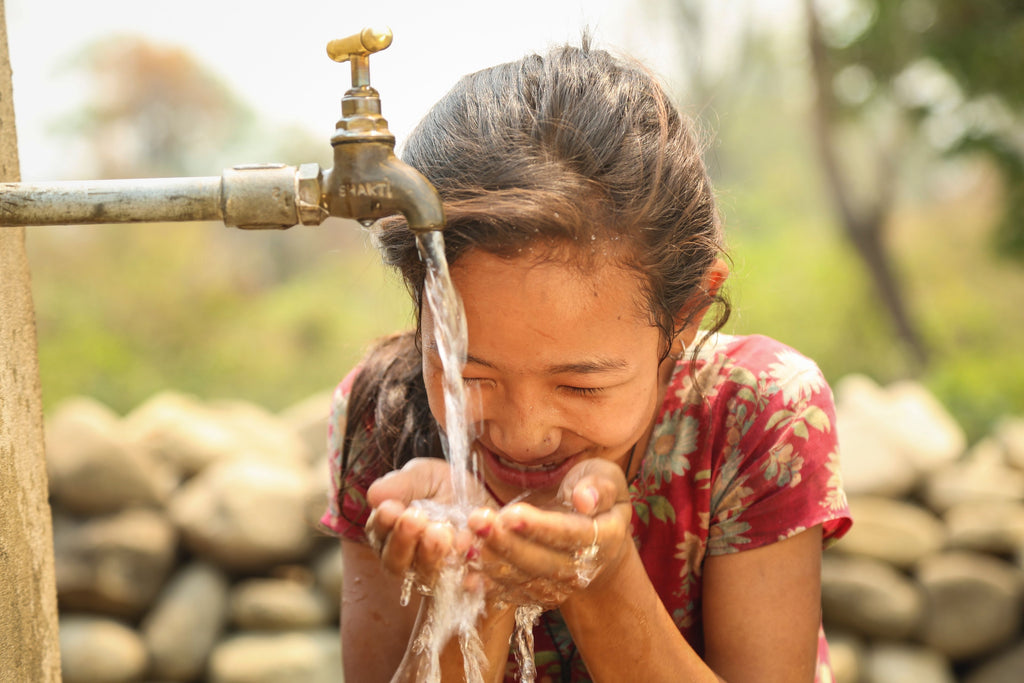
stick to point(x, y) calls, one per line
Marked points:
point(521, 554)
point(541, 556)
point(409, 537)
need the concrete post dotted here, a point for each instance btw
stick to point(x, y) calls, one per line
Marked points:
point(29, 645)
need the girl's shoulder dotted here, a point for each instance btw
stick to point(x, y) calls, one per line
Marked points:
point(745, 357)
point(339, 398)
point(750, 367)
point(759, 420)
point(752, 351)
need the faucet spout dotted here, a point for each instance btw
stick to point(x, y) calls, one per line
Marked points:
point(418, 200)
point(369, 182)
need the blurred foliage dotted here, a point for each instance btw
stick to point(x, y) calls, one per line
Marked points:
point(273, 317)
point(928, 140)
point(124, 311)
point(796, 278)
point(952, 69)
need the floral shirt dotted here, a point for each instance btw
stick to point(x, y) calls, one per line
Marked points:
point(754, 462)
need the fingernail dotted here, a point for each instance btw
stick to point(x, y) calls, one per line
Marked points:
point(485, 530)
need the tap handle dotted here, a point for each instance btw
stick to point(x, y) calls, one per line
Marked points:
point(369, 40)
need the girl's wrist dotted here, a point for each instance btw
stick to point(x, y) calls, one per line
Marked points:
point(614, 574)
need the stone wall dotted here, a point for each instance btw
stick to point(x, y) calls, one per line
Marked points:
point(928, 586)
point(187, 549)
point(186, 543)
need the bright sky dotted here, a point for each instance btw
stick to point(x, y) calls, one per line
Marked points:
point(272, 53)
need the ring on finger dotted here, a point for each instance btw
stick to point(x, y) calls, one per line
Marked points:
point(590, 552)
point(372, 537)
point(585, 561)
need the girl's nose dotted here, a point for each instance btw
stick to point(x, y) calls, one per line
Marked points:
point(522, 430)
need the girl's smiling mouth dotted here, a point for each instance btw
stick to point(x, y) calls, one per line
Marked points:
point(542, 476)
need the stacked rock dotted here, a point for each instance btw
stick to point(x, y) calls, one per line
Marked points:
point(187, 546)
point(928, 586)
point(186, 542)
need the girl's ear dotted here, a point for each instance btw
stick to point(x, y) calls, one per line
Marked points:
point(716, 276)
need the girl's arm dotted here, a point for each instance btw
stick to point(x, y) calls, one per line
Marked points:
point(761, 616)
point(375, 628)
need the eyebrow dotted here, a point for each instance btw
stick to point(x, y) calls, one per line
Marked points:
point(586, 367)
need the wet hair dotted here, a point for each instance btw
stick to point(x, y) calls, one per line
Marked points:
point(576, 154)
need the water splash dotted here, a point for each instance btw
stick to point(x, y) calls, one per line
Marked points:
point(453, 614)
point(408, 582)
point(522, 641)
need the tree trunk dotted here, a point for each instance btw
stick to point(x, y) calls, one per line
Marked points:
point(864, 224)
point(868, 243)
point(29, 646)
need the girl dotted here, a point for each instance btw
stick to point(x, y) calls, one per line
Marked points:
point(694, 474)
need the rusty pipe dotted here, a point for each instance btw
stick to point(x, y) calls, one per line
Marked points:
point(368, 183)
point(82, 202)
point(250, 197)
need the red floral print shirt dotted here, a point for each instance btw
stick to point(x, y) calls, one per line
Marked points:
point(742, 456)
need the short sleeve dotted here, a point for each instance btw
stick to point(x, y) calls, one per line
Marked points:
point(347, 509)
point(779, 469)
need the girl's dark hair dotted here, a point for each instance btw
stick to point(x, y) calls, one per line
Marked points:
point(576, 148)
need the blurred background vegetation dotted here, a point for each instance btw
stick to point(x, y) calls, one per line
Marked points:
point(869, 158)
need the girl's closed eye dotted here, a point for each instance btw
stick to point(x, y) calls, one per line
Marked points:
point(583, 391)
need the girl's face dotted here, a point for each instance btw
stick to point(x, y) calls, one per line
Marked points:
point(562, 367)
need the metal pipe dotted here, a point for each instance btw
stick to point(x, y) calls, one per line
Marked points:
point(256, 196)
point(86, 202)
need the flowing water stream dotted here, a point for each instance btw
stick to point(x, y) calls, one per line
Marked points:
point(451, 339)
point(454, 609)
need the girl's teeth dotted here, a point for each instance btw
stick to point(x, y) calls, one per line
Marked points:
point(527, 468)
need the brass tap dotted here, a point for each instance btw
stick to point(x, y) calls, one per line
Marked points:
point(368, 181)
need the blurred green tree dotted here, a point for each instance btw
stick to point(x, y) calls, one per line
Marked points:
point(155, 110)
point(152, 110)
point(894, 78)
